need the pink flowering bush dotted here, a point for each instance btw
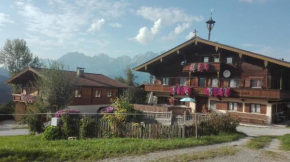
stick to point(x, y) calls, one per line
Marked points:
point(215, 92)
point(192, 67)
point(208, 91)
point(178, 90)
point(227, 92)
point(221, 92)
point(218, 92)
point(59, 113)
point(108, 110)
point(206, 67)
point(172, 90)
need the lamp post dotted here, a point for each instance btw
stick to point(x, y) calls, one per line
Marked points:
point(210, 25)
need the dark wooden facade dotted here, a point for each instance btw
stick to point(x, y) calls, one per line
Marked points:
point(255, 80)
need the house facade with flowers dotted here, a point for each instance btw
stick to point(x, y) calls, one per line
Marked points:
point(93, 92)
point(253, 87)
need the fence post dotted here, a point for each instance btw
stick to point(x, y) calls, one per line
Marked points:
point(196, 134)
point(171, 117)
point(184, 117)
point(183, 132)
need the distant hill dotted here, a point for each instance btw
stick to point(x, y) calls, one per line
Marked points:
point(4, 72)
point(109, 66)
point(5, 90)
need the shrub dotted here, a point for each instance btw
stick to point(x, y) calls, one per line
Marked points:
point(216, 123)
point(71, 112)
point(7, 108)
point(70, 125)
point(136, 95)
point(87, 128)
point(34, 121)
point(52, 133)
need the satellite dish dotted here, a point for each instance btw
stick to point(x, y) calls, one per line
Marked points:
point(227, 73)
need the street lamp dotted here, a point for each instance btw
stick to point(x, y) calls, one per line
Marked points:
point(210, 25)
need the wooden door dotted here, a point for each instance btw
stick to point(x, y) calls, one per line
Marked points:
point(201, 104)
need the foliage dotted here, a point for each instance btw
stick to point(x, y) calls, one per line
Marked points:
point(52, 133)
point(31, 148)
point(130, 77)
point(124, 112)
point(285, 142)
point(136, 95)
point(7, 108)
point(35, 121)
point(16, 55)
point(109, 109)
point(120, 79)
point(70, 125)
point(87, 128)
point(56, 86)
point(216, 123)
point(259, 142)
point(71, 112)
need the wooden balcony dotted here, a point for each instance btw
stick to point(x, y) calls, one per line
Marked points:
point(275, 94)
point(23, 98)
point(213, 67)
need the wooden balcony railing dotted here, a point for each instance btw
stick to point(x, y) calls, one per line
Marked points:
point(213, 67)
point(235, 92)
point(23, 98)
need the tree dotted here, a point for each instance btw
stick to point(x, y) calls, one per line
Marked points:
point(136, 95)
point(130, 77)
point(16, 56)
point(56, 86)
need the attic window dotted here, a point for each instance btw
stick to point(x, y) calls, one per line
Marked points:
point(205, 59)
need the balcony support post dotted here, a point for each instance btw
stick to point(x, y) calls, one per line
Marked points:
point(281, 82)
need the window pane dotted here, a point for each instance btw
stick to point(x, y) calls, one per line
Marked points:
point(253, 83)
point(259, 83)
point(205, 59)
point(258, 108)
point(201, 82)
point(230, 106)
point(214, 83)
point(253, 108)
point(109, 94)
point(76, 93)
point(233, 83)
point(216, 59)
point(183, 81)
point(212, 104)
point(229, 60)
point(236, 106)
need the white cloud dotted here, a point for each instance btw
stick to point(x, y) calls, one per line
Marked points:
point(116, 25)
point(190, 35)
point(169, 16)
point(96, 25)
point(157, 25)
point(145, 35)
point(180, 28)
point(253, 1)
point(4, 19)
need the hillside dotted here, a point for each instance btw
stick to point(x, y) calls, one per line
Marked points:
point(109, 66)
point(5, 91)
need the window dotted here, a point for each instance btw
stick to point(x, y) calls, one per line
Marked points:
point(212, 104)
point(229, 60)
point(98, 93)
point(205, 59)
point(201, 82)
point(78, 93)
point(233, 106)
point(233, 83)
point(256, 83)
point(183, 81)
point(165, 81)
point(256, 108)
point(216, 59)
point(109, 94)
point(214, 82)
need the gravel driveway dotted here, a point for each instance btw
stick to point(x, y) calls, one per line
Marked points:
point(264, 130)
point(6, 129)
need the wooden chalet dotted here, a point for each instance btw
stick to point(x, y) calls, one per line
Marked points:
point(253, 87)
point(94, 91)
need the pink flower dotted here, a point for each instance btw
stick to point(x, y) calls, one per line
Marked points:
point(178, 90)
point(206, 66)
point(172, 90)
point(200, 67)
point(215, 92)
point(220, 92)
point(227, 92)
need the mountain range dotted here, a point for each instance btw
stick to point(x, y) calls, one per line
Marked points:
point(5, 90)
point(109, 66)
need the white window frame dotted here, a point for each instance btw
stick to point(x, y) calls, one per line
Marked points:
point(78, 93)
point(216, 59)
point(236, 81)
point(229, 62)
point(233, 106)
point(206, 59)
point(212, 81)
point(109, 94)
point(165, 81)
point(212, 104)
point(257, 81)
point(183, 81)
point(98, 93)
point(255, 108)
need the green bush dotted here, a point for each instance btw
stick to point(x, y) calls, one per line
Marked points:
point(52, 133)
point(216, 123)
point(70, 126)
point(35, 122)
point(87, 128)
point(7, 108)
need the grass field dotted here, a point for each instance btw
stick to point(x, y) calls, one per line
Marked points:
point(259, 142)
point(32, 148)
point(285, 142)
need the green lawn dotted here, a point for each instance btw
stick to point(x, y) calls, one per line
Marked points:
point(285, 142)
point(32, 148)
point(259, 142)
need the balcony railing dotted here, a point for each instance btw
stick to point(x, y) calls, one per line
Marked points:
point(23, 98)
point(213, 67)
point(235, 92)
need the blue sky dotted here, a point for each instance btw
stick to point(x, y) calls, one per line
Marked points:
point(53, 28)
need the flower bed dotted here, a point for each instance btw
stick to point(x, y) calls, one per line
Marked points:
point(218, 92)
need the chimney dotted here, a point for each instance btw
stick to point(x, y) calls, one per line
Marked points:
point(80, 72)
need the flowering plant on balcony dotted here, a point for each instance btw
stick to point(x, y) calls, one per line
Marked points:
point(227, 92)
point(218, 92)
point(28, 98)
point(192, 67)
point(59, 113)
point(208, 91)
point(221, 92)
point(180, 90)
point(200, 67)
point(206, 66)
point(172, 90)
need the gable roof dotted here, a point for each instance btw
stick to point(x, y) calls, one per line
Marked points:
point(216, 45)
point(89, 79)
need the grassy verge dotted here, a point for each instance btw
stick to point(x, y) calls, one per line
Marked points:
point(209, 154)
point(259, 142)
point(285, 142)
point(274, 155)
point(31, 148)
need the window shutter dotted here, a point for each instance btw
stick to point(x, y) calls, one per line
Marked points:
point(247, 107)
point(225, 105)
point(263, 109)
point(209, 82)
point(240, 107)
point(219, 105)
point(247, 82)
point(226, 83)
